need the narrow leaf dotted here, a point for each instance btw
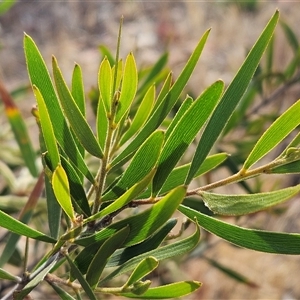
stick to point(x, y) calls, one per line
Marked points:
point(77, 121)
point(5, 5)
point(178, 175)
point(171, 250)
point(61, 190)
point(165, 105)
point(259, 240)
point(6, 275)
point(141, 115)
point(78, 89)
point(47, 129)
point(120, 256)
point(78, 96)
point(86, 287)
point(282, 126)
point(40, 77)
point(231, 97)
point(20, 228)
point(184, 107)
point(128, 89)
point(141, 164)
point(54, 210)
point(105, 83)
point(291, 168)
point(101, 257)
point(143, 224)
point(173, 290)
point(145, 267)
point(128, 196)
point(178, 140)
point(76, 188)
point(117, 82)
point(164, 91)
point(102, 123)
point(61, 292)
point(245, 204)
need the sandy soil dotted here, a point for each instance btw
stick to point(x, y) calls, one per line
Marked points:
point(72, 31)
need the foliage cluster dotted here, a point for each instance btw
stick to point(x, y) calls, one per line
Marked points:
point(111, 192)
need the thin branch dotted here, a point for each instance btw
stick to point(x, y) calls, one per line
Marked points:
point(275, 95)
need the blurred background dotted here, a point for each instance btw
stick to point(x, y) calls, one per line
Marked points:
point(72, 31)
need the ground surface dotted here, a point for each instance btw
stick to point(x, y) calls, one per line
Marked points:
point(72, 31)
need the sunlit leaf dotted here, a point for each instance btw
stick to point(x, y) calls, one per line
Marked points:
point(282, 126)
point(5, 5)
point(173, 290)
point(18, 227)
point(142, 163)
point(105, 83)
point(40, 77)
point(61, 190)
point(76, 188)
point(128, 89)
point(183, 133)
point(183, 108)
point(78, 89)
point(129, 195)
point(118, 79)
point(145, 267)
point(78, 96)
point(47, 129)
point(102, 123)
point(230, 98)
point(163, 92)
point(141, 115)
point(178, 175)
point(166, 104)
point(77, 121)
point(244, 204)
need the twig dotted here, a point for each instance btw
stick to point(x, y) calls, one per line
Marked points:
point(275, 95)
